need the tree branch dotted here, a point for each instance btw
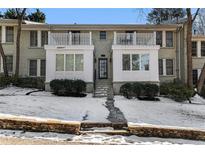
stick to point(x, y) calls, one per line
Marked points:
point(197, 12)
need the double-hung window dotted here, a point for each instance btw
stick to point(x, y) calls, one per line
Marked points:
point(9, 63)
point(194, 48)
point(202, 48)
point(33, 38)
point(33, 67)
point(159, 38)
point(37, 67)
point(102, 35)
point(166, 66)
point(44, 38)
point(169, 39)
point(9, 34)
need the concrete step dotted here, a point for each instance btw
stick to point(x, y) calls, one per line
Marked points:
point(108, 132)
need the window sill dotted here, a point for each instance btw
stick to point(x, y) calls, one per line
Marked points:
point(36, 47)
point(8, 43)
point(166, 75)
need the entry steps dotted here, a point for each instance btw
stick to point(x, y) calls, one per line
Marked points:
point(104, 128)
point(102, 88)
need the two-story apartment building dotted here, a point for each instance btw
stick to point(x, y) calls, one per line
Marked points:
point(114, 53)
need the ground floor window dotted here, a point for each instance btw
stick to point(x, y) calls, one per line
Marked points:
point(195, 76)
point(135, 62)
point(37, 67)
point(9, 63)
point(166, 67)
point(69, 62)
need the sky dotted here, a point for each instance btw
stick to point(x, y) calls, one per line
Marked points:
point(95, 16)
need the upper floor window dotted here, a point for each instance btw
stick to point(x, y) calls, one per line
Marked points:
point(33, 38)
point(169, 39)
point(44, 38)
point(9, 34)
point(194, 48)
point(159, 38)
point(202, 48)
point(102, 35)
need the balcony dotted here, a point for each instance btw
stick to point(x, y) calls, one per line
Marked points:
point(66, 39)
point(142, 39)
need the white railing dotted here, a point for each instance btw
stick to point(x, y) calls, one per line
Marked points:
point(70, 39)
point(135, 38)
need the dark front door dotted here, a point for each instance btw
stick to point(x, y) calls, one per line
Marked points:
point(102, 68)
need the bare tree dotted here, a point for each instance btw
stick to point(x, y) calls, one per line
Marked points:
point(190, 21)
point(4, 61)
point(20, 15)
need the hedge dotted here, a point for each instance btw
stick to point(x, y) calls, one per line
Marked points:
point(65, 87)
point(176, 91)
point(145, 91)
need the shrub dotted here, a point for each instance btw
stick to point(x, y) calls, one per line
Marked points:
point(65, 87)
point(5, 81)
point(29, 82)
point(137, 88)
point(177, 92)
point(150, 90)
point(203, 92)
point(126, 90)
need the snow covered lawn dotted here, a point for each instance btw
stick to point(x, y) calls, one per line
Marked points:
point(164, 112)
point(43, 104)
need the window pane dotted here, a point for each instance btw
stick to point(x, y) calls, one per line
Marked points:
point(135, 62)
point(194, 48)
point(125, 62)
point(169, 66)
point(9, 34)
point(9, 62)
point(159, 38)
point(33, 38)
point(33, 68)
point(202, 48)
point(145, 62)
point(160, 67)
point(43, 67)
point(195, 76)
point(70, 62)
point(59, 62)
point(169, 39)
point(103, 35)
point(44, 38)
point(79, 62)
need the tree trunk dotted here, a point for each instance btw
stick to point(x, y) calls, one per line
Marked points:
point(189, 49)
point(18, 48)
point(200, 82)
point(20, 19)
point(4, 61)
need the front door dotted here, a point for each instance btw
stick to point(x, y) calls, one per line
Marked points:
point(102, 68)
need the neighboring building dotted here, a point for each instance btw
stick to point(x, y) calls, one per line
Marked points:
point(114, 54)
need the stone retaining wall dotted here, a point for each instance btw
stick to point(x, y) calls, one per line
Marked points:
point(39, 125)
point(167, 132)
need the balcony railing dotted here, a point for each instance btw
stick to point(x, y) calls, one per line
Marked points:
point(70, 39)
point(135, 38)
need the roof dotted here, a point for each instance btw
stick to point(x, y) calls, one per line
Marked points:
point(28, 25)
